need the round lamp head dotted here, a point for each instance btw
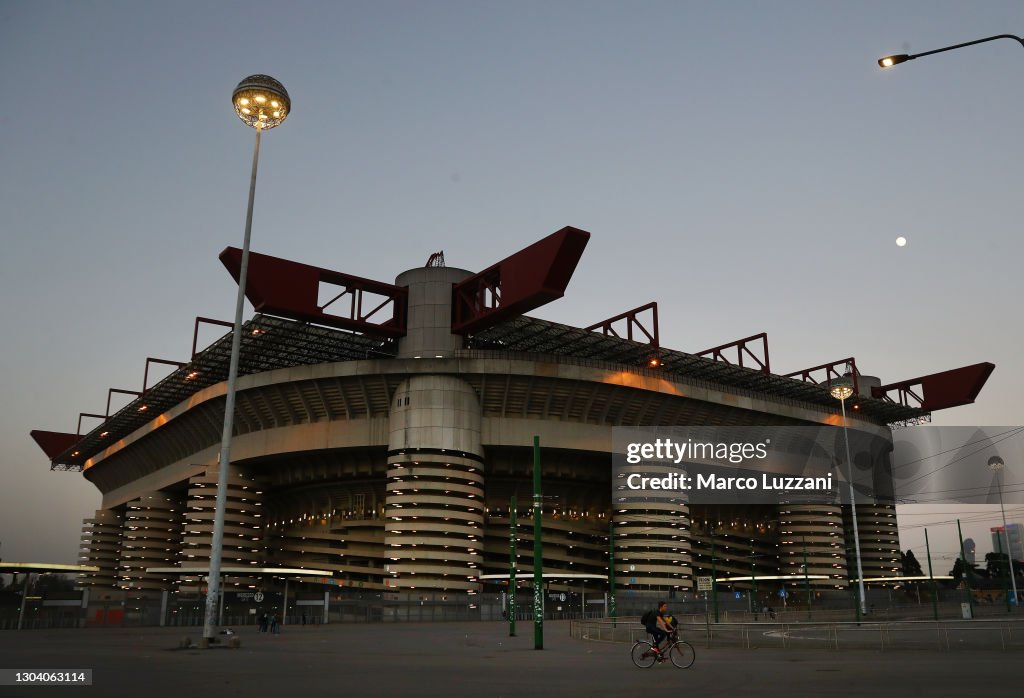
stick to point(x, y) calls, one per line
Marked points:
point(995, 462)
point(261, 102)
point(842, 388)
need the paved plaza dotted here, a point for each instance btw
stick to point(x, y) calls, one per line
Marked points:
point(473, 659)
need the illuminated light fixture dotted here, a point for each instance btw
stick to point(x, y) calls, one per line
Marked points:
point(255, 91)
point(253, 88)
point(104, 433)
point(841, 389)
point(143, 408)
point(75, 454)
point(191, 375)
point(890, 61)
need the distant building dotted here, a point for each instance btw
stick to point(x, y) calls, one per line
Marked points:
point(970, 550)
point(1015, 533)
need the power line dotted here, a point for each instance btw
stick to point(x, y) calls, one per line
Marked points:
point(1011, 433)
point(969, 443)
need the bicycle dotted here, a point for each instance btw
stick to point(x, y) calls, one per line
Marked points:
point(680, 652)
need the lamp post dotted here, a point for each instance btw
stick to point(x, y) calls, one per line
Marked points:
point(841, 389)
point(890, 61)
point(995, 463)
point(262, 103)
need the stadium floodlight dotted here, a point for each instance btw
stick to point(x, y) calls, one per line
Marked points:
point(261, 102)
point(995, 464)
point(841, 389)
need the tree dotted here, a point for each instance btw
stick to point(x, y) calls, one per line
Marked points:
point(996, 564)
point(958, 571)
point(911, 567)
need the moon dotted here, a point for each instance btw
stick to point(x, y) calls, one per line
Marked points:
point(901, 241)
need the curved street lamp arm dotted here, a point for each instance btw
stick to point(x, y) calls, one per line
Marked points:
point(890, 61)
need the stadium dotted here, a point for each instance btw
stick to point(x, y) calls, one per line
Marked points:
point(383, 430)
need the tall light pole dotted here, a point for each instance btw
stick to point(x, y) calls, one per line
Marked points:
point(841, 389)
point(262, 103)
point(890, 61)
point(996, 465)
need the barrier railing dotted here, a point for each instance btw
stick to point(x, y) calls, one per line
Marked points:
point(944, 635)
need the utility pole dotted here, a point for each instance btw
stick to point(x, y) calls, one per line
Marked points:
point(512, 567)
point(714, 575)
point(538, 558)
point(753, 580)
point(807, 579)
point(931, 577)
point(611, 571)
point(966, 568)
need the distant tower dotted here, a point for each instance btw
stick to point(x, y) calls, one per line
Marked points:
point(969, 550)
point(1015, 533)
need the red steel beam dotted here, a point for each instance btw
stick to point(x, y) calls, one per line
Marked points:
point(290, 289)
point(151, 360)
point(111, 391)
point(103, 417)
point(938, 391)
point(208, 321)
point(535, 275)
point(632, 318)
point(831, 371)
point(54, 443)
point(742, 350)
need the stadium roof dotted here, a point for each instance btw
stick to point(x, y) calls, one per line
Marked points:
point(270, 343)
point(366, 318)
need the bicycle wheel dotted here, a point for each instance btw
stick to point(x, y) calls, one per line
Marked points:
point(643, 655)
point(682, 655)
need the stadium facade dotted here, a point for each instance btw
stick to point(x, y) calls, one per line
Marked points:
point(383, 444)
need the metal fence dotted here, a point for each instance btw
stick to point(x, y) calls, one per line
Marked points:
point(978, 634)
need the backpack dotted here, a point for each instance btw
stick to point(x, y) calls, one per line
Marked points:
point(649, 618)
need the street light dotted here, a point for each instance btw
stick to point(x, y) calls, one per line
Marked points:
point(995, 463)
point(890, 61)
point(262, 103)
point(841, 389)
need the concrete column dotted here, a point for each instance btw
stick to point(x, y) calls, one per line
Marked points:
point(434, 507)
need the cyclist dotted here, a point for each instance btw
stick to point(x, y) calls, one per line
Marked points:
point(660, 624)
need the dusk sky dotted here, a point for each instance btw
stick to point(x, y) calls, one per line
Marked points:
point(745, 164)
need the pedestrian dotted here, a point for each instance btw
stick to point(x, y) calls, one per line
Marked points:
point(274, 627)
point(263, 622)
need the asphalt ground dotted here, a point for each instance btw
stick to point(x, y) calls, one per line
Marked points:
point(475, 659)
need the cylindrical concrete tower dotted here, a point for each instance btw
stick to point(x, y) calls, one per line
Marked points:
point(652, 543)
point(812, 531)
point(429, 314)
point(434, 509)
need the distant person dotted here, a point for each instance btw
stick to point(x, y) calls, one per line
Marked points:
point(274, 627)
point(263, 623)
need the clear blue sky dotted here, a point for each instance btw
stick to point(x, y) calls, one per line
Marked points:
point(745, 164)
